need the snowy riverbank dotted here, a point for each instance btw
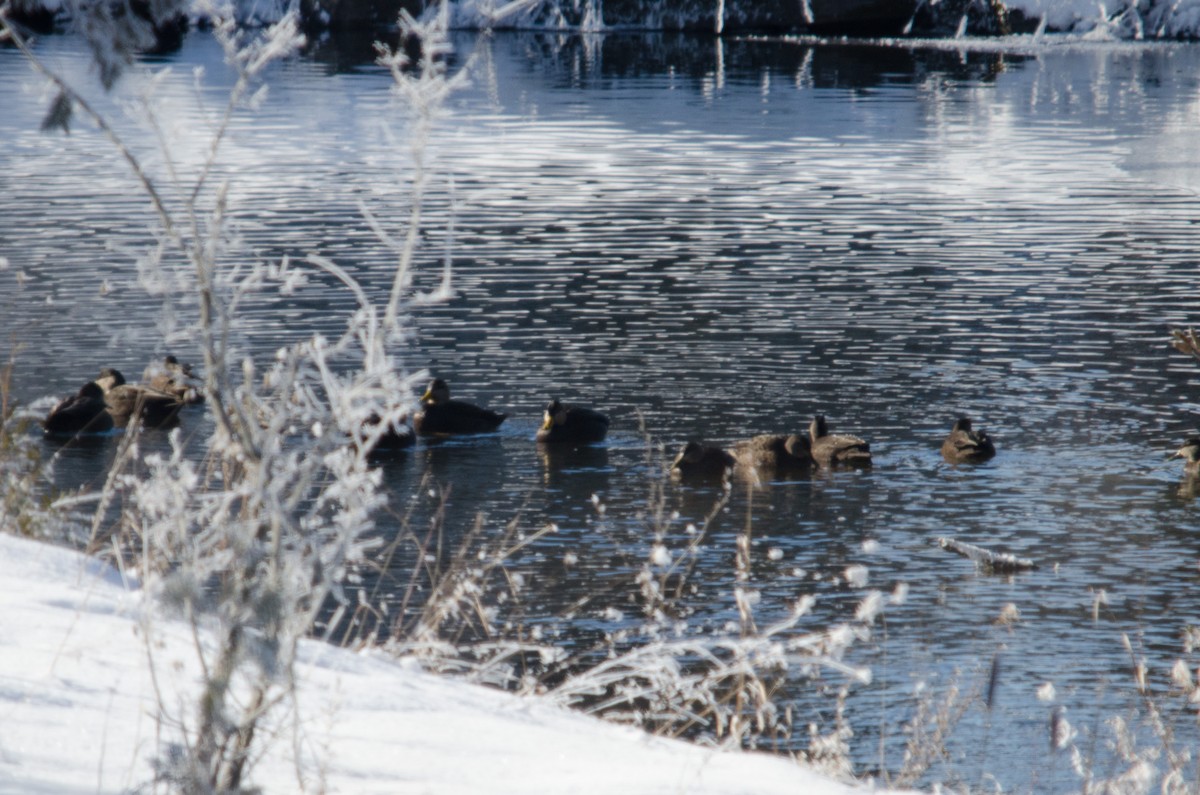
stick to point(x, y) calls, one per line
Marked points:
point(78, 702)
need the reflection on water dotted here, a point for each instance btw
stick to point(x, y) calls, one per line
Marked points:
point(714, 240)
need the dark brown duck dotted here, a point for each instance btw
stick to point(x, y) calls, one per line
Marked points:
point(440, 414)
point(965, 445)
point(563, 422)
point(83, 413)
point(832, 450)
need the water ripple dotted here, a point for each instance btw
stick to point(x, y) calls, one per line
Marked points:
point(890, 237)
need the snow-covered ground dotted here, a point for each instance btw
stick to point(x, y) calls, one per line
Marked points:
point(78, 707)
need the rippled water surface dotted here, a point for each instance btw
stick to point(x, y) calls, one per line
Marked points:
point(711, 240)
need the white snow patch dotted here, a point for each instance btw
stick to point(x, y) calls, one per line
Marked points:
point(76, 679)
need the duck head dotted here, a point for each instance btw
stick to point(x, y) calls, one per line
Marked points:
point(692, 453)
point(555, 414)
point(110, 377)
point(437, 392)
point(1190, 451)
point(173, 365)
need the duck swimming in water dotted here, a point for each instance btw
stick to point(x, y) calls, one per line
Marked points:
point(1190, 453)
point(126, 402)
point(831, 450)
point(965, 445)
point(698, 460)
point(441, 415)
point(564, 422)
point(83, 413)
point(174, 378)
point(395, 437)
point(775, 452)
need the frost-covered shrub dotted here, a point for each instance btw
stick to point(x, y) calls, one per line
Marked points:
point(252, 536)
point(21, 508)
point(29, 505)
point(726, 685)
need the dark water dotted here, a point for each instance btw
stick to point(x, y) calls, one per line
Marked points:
point(714, 240)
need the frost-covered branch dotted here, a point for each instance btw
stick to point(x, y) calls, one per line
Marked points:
point(256, 540)
point(423, 87)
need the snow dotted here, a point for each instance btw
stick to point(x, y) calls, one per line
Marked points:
point(80, 666)
point(1115, 19)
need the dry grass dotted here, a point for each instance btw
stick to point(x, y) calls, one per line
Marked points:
point(464, 612)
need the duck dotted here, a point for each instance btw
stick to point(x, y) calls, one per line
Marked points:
point(441, 415)
point(172, 377)
point(700, 460)
point(126, 401)
point(397, 436)
point(1190, 453)
point(831, 450)
point(965, 445)
point(778, 452)
point(564, 422)
point(83, 412)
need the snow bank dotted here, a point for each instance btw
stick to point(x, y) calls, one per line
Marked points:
point(78, 703)
point(1115, 19)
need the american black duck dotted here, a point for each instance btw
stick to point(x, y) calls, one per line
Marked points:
point(125, 401)
point(775, 452)
point(831, 450)
point(83, 413)
point(698, 460)
point(1190, 453)
point(172, 377)
point(397, 436)
point(440, 414)
point(966, 445)
point(563, 422)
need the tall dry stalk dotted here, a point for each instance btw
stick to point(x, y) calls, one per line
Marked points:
point(251, 538)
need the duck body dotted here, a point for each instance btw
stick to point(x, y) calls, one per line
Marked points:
point(699, 460)
point(1190, 453)
point(833, 450)
point(966, 445)
point(83, 413)
point(564, 422)
point(127, 402)
point(440, 415)
point(777, 452)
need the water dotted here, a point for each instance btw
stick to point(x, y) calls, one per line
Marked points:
point(711, 240)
